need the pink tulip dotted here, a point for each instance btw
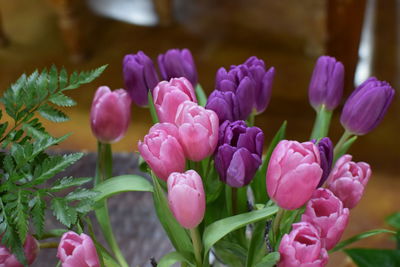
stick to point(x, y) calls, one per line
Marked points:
point(293, 173)
point(348, 180)
point(186, 198)
point(326, 213)
point(169, 95)
point(77, 251)
point(302, 247)
point(31, 250)
point(162, 151)
point(110, 114)
point(198, 130)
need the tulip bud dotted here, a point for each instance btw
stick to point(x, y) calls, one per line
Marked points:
point(224, 104)
point(327, 81)
point(348, 180)
point(198, 130)
point(110, 114)
point(31, 250)
point(77, 250)
point(186, 198)
point(325, 148)
point(140, 76)
point(326, 213)
point(239, 153)
point(293, 173)
point(302, 247)
point(169, 95)
point(162, 151)
point(366, 106)
point(263, 80)
point(177, 63)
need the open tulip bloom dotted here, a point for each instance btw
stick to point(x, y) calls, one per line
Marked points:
point(219, 198)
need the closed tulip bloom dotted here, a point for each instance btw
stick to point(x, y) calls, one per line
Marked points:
point(177, 63)
point(348, 180)
point(327, 81)
point(263, 79)
point(77, 251)
point(186, 198)
point(140, 76)
point(302, 247)
point(224, 104)
point(293, 173)
point(366, 106)
point(110, 114)
point(325, 148)
point(239, 153)
point(31, 250)
point(198, 130)
point(326, 213)
point(162, 150)
point(169, 95)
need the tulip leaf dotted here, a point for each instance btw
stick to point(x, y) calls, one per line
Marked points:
point(258, 185)
point(346, 146)
point(152, 108)
point(394, 220)
point(119, 184)
point(217, 230)
point(257, 243)
point(355, 238)
point(201, 96)
point(177, 234)
point(364, 257)
point(269, 260)
point(171, 258)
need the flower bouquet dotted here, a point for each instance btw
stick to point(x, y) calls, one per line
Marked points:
point(222, 199)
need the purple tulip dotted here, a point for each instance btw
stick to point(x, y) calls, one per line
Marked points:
point(325, 148)
point(177, 63)
point(110, 114)
point(327, 81)
point(140, 76)
point(366, 106)
point(326, 213)
point(31, 250)
point(302, 247)
point(239, 153)
point(225, 104)
point(263, 79)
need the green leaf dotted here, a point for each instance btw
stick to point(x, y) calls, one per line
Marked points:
point(20, 215)
point(394, 220)
point(178, 235)
point(83, 78)
point(217, 230)
point(80, 194)
point(63, 78)
point(346, 146)
point(67, 182)
point(257, 243)
point(170, 259)
point(119, 184)
point(259, 185)
point(201, 96)
point(52, 114)
point(63, 212)
point(364, 257)
point(62, 100)
point(269, 260)
point(38, 214)
point(355, 238)
point(152, 108)
point(53, 79)
point(3, 128)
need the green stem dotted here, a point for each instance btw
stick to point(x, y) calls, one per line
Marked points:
point(228, 199)
point(103, 172)
point(48, 245)
point(152, 108)
point(346, 135)
point(277, 221)
point(251, 119)
point(321, 124)
point(197, 245)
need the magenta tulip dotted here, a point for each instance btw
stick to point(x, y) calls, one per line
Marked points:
point(77, 251)
point(198, 130)
point(326, 213)
point(31, 250)
point(186, 198)
point(169, 95)
point(110, 114)
point(302, 247)
point(293, 173)
point(348, 180)
point(162, 151)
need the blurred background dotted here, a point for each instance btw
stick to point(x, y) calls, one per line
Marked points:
point(286, 34)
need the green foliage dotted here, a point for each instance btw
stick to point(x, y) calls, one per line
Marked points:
point(364, 257)
point(26, 168)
